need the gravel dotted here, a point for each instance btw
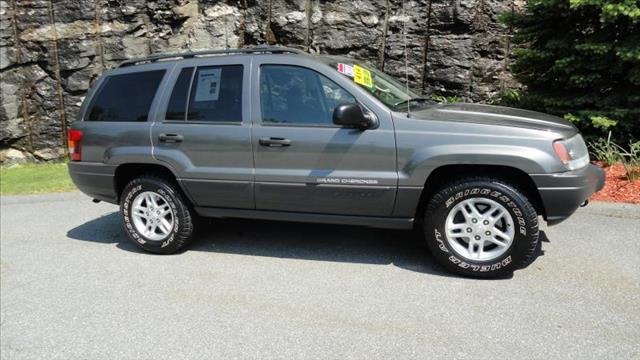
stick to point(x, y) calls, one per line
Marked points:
point(72, 286)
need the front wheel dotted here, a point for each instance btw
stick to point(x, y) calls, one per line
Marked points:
point(156, 217)
point(481, 227)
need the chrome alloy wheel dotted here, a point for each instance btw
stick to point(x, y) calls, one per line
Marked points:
point(479, 229)
point(152, 215)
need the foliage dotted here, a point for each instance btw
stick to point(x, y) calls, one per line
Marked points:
point(445, 99)
point(509, 98)
point(581, 59)
point(605, 151)
point(631, 161)
point(34, 178)
point(609, 153)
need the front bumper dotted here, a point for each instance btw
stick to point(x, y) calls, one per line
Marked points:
point(562, 193)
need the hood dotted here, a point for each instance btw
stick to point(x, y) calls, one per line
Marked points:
point(494, 115)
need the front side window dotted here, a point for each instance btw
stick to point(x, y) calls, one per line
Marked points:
point(125, 97)
point(216, 94)
point(296, 95)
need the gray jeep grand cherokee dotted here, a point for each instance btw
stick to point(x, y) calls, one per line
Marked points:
point(274, 133)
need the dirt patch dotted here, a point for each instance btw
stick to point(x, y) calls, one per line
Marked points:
point(617, 188)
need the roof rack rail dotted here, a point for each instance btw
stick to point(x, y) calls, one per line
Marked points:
point(192, 54)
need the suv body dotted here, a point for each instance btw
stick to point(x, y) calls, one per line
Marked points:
point(223, 127)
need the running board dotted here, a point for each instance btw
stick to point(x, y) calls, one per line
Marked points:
point(376, 222)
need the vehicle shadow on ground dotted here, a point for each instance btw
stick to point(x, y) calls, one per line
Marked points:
point(305, 241)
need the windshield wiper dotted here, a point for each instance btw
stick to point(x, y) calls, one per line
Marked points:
point(415, 99)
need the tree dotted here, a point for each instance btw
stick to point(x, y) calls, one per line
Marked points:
point(581, 59)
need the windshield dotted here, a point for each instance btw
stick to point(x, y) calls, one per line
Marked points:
point(384, 87)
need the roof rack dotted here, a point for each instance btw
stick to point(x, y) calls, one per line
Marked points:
point(192, 54)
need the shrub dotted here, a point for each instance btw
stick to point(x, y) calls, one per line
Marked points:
point(445, 99)
point(509, 98)
point(631, 161)
point(609, 153)
point(581, 59)
point(605, 151)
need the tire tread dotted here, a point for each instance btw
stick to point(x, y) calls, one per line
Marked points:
point(184, 236)
point(532, 217)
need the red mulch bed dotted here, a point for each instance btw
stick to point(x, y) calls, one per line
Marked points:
point(617, 188)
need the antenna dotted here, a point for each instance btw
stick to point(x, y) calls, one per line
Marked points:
point(226, 37)
point(406, 58)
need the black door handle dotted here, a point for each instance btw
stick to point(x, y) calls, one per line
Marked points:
point(170, 138)
point(273, 141)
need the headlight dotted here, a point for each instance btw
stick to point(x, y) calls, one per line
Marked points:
point(572, 152)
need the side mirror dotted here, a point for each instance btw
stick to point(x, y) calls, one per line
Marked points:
point(351, 115)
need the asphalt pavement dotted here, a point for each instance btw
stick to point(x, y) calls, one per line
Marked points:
point(73, 287)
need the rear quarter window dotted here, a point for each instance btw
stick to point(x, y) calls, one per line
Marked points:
point(125, 97)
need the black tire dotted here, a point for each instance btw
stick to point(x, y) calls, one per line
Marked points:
point(182, 232)
point(525, 220)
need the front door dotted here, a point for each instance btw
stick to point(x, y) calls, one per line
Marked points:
point(204, 132)
point(303, 162)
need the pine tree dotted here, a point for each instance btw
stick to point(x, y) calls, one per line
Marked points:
point(581, 59)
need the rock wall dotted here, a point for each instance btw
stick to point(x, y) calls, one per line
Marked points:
point(51, 51)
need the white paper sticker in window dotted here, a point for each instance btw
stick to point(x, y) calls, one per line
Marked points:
point(345, 69)
point(208, 87)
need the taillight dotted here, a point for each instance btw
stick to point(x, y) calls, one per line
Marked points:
point(74, 138)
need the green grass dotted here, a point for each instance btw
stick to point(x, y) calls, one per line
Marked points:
point(34, 179)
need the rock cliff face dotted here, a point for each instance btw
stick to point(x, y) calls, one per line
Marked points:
point(51, 51)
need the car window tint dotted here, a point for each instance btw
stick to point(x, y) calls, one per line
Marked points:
point(125, 97)
point(178, 101)
point(216, 94)
point(334, 94)
point(296, 95)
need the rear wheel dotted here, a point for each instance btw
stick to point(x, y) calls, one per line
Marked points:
point(481, 227)
point(156, 217)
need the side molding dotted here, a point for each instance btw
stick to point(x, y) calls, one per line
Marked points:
point(376, 222)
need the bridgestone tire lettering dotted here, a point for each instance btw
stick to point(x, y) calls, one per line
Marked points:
point(525, 242)
point(182, 232)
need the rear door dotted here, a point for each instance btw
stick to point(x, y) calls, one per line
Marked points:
point(303, 162)
point(203, 131)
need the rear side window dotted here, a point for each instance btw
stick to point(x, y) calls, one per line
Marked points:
point(216, 94)
point(125, 97)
